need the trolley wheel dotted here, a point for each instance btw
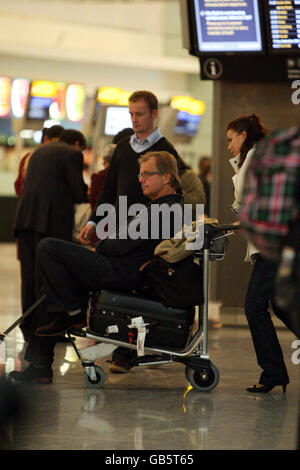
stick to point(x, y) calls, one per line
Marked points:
point(99, 381)
point(203, 381)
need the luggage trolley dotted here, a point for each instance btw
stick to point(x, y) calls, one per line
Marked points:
point(190, 349)
point(200, 371)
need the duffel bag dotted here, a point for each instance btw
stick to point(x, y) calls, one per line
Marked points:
point(111, 313)
point(178, 285)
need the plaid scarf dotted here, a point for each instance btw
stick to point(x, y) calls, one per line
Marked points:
point(269, 203)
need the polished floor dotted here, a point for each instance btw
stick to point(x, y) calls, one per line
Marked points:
point(149, 409)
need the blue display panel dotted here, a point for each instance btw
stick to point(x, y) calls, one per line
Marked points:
point(116, 119)
point(187, 124)
point(228, 26)
point(283, 21)
point(38, 108)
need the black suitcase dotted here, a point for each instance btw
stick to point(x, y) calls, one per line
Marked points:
point(169, 328)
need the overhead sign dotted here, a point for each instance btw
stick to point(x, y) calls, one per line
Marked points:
point(283, 22)
point(113, 95)
point(47, 100)
point(228, 26)
point(188, 104)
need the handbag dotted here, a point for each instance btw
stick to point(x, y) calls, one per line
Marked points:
point(177, 284)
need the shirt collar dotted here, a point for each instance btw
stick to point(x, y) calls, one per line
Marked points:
point(234, 162)
point(151, 139)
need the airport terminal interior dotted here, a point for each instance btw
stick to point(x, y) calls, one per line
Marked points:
point(74, 63)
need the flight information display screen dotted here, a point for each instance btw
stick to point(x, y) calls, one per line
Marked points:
point(38, 108)
point(228, 26)
point(283, 19)
point(187, 124)
point(116, 119)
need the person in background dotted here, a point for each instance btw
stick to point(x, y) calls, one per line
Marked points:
point(242, 135)
point(98, 178)
point(126, 132)
point(53, 184)
point(49, 134)
point(204, 173)
point(192, 187)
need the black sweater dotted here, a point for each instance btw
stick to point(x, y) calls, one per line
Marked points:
point(127, 255)
point(122, 177)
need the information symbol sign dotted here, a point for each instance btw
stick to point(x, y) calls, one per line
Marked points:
point(213, 68)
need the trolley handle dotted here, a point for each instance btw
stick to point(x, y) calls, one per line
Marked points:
point(222, 228)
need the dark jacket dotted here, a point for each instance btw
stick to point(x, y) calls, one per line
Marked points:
point(53, 184)
point(97, 182)
point(128, 255)
point(122, 177)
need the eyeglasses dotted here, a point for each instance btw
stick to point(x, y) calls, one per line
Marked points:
point(147, 174)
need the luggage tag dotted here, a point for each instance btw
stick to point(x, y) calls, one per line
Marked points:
point(112, 329)
point(138, 323)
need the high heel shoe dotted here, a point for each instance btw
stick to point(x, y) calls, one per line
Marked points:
point(265, 388)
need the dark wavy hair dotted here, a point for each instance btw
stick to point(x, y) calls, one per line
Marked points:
point(254, 128)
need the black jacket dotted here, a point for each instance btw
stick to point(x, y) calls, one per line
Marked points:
point(128, 255)
point(122, 177)
point(53, 184)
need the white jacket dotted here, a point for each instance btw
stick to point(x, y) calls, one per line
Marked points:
point(238, 183)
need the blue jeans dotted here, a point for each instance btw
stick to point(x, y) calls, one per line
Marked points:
point(268, 350)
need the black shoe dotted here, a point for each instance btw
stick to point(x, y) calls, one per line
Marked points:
point(41, 375)
point(61, 324)
point(119, 366)
point(265, 388)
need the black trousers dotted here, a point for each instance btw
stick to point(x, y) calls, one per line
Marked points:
point(67, 273)
point(28, 241)
point(260, 292)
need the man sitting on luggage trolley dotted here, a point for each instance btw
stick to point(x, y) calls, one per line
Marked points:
point(69, 272)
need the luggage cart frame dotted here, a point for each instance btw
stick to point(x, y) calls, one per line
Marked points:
point(200, 372)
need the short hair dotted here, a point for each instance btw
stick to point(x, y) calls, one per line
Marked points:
point(54, 132)
point(165, 163)
point(44, 134)
point(122, 134)
point(147, 96)
point(71, 136)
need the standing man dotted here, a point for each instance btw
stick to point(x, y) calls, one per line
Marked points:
point(49, 134)
point(52, 186)
point(121, 179)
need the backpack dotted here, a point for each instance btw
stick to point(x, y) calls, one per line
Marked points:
point(270, 203)
point(173, 276)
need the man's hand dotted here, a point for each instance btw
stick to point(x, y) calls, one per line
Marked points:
point(86, 233)
point(236, 223)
